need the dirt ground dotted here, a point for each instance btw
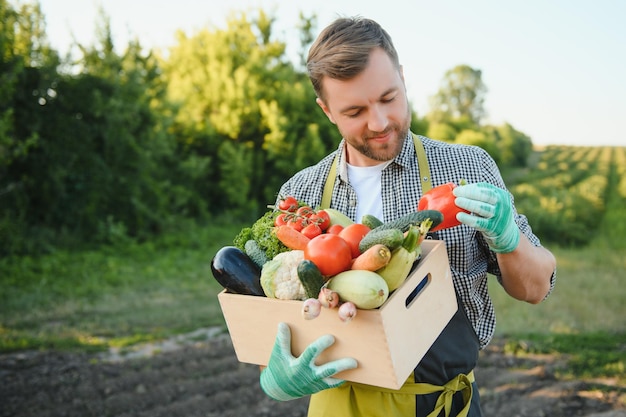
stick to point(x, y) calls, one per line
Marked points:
point(199, 375)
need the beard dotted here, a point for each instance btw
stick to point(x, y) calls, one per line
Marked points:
point(386, 151)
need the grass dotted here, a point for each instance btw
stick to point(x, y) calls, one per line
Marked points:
point(591, 355)
point(583, 317)
point(588, 297)
point(131, 293)
point(112, 297)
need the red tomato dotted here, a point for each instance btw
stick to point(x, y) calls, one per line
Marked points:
point(288, 204)
point(353, 235)
point(322, 219)
point(330, 253)
point(334, 229)
point(305, 211)
point(297, 223)
point(311, 231)
point(280, 220)
point(442, 199)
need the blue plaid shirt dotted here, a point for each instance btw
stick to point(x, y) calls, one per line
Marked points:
point(470, 257)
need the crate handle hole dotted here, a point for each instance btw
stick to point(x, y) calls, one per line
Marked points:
point(418, 289)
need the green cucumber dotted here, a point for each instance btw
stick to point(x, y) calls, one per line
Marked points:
point(252, 249)
point(310, 277)
point(414, 218)
point(371, 221)
point(392, 238)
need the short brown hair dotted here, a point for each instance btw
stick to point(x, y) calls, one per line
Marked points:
point(342, 49)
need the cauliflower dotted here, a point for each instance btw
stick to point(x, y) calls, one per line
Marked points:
point(279, 277)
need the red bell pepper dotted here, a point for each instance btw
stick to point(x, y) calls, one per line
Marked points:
point(441, 198)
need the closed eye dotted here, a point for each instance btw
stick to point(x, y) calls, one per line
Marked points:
point(388, 98)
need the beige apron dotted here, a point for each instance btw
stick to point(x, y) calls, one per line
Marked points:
point(448, 364)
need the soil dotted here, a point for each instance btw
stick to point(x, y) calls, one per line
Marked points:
point(199, 375)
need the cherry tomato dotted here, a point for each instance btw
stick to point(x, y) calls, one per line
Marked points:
point(322, 219)
point(330, 253)
point(297, 223)
point(334, 229)
point(311, 231)
point(280, 220)
point(288, 204)
point(353, 235)
point(305, 211)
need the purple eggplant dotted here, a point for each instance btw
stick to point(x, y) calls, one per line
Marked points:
point(236, 272)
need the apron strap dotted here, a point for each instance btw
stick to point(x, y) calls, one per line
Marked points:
point(461, 383)
point(422, 164)
point(327, 195)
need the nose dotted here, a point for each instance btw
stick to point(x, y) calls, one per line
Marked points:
point(377, 121)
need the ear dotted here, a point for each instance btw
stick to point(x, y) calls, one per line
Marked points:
point(325, 109)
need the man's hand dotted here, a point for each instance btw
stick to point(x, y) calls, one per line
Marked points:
point(491, 213)
point(287, 377)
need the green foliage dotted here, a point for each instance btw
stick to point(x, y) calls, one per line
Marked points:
point(235, 164)
point(122, 294)
point(237, 85)
point(572, 196)
point(456, 114)
point(480, 139)
point(588, 296)
point(261, 231)
point(419, 125)
point(441, 131)
point(582, 318)
point(117, 147)
point(87, 154)
point(513, 146)
point(590, 355)
point(461, 95)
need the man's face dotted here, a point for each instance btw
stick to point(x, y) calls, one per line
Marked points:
point(370, 110)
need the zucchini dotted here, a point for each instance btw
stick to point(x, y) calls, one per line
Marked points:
point(310, 277)
point(392, 238)
point(366, 289)
point(337, 217)
point(414, 218)
point(371, 221)
point(398, 268)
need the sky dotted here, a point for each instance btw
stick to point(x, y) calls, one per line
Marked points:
point(553, 69)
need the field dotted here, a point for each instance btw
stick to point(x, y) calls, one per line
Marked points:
point(61, 312)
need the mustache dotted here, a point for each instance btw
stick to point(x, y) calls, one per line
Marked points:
point(377, 134)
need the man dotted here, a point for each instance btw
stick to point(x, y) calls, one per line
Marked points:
point(359, 82)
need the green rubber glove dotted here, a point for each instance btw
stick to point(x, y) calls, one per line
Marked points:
point(492, 214)
point(287, 377)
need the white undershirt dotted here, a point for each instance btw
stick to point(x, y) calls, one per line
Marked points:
point(366, 182)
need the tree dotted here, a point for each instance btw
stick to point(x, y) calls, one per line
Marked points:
point(27, 80)
point(456, 114)
point(461, 94)
point(102, 164)
point(441, 131)
point(480, 139)
point(136, 168)
point(238, 85)
point(515, 147)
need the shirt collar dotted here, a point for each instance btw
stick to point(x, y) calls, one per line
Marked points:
point(407, 153)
